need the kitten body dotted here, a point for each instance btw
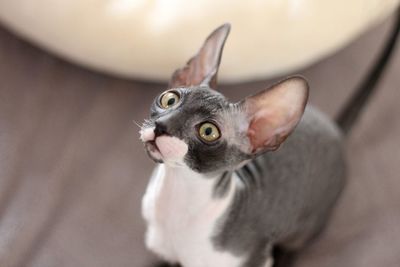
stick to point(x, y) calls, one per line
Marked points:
point(225, 191)
point(235, 217)
point(182, 216)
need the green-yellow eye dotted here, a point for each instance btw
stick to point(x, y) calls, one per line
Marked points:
point(209, 132)
point(169, 99)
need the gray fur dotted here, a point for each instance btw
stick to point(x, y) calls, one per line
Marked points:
point(290, 202)
point(222, 185)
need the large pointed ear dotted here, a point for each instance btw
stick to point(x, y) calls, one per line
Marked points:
point(203, 67)
point(274, 113)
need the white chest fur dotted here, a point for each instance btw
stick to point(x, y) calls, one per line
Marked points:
point(181, 216)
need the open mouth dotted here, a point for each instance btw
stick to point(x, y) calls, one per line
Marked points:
point(153, 151)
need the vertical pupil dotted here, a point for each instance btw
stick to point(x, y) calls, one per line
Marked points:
point(171, 101)
point(208, 131)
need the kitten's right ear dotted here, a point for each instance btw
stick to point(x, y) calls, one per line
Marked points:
point(203, 67)
point(274, 113)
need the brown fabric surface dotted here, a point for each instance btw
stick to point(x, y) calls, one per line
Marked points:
point(72, 170)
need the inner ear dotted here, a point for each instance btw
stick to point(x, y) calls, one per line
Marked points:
point(274, 113)
point(203, 67)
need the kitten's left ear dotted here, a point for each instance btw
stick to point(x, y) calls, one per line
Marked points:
point(203, 67)
point(274, 113)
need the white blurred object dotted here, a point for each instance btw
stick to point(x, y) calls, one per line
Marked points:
point(149, 39)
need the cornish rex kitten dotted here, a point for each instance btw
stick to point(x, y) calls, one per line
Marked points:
point(223, 194)
point(234, 180)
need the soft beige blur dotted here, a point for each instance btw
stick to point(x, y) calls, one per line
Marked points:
point(148, 39)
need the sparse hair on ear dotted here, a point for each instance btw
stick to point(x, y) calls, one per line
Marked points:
point(202, 69)
point(274, 113)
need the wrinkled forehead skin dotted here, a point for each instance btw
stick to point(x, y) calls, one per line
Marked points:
point(196, 106)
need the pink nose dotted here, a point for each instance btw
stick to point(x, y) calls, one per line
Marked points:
point(147, 135)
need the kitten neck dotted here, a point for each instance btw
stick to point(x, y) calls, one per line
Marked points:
point(193, 185)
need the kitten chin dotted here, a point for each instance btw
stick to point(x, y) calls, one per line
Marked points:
point(171, 148)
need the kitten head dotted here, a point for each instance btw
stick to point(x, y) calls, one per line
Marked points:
point(192, 124)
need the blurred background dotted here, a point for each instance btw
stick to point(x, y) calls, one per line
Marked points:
point(74, 74)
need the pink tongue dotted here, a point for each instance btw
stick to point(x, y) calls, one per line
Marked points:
point(171, 147)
